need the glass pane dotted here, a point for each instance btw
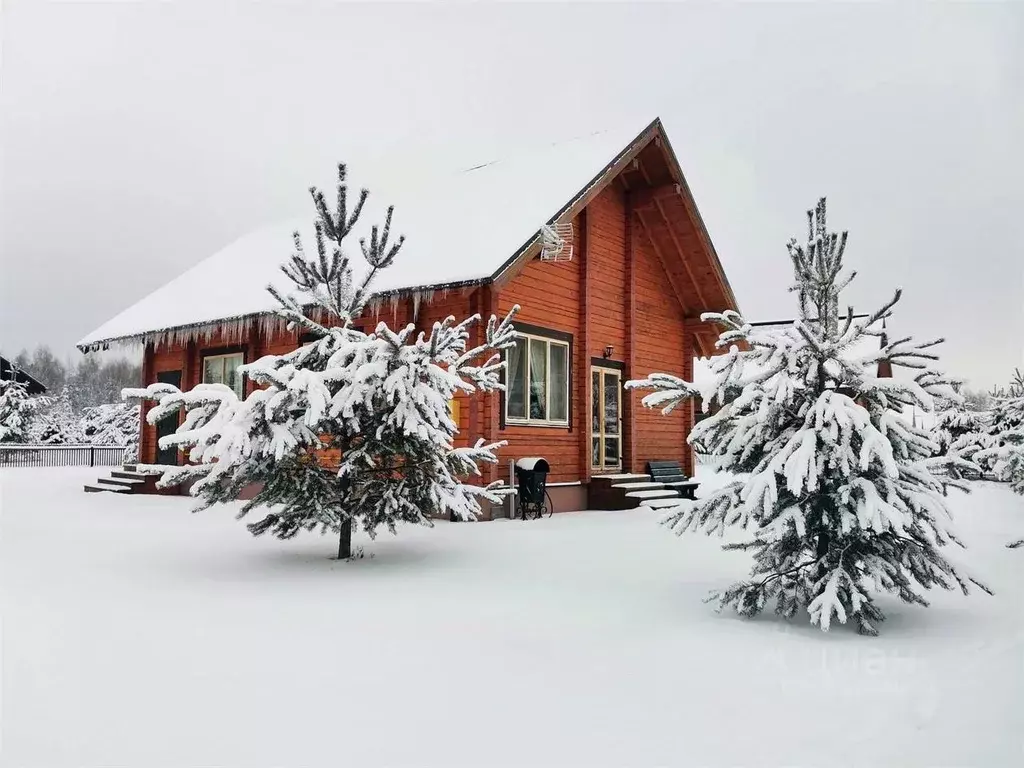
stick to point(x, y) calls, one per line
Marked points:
point(213, 370)
point(595, 451)
point(516, 372)
point(538, 379)
point(231, 374)
point(611, 404)
point(559, 382)
point(611, 451)
point(595, 400)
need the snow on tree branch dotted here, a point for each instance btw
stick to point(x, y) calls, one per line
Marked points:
point(354, 428)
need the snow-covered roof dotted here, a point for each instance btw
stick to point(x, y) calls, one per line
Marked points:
point(461, 227)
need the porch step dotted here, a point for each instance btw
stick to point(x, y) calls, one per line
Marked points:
point(125, 479)
point(622, 478)
point(129, 482)
point(130, 474)
point(102, 485)
point(649, 486)
point(660, 503)
point(662, 494)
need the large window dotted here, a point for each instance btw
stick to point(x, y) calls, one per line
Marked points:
point(538, 381)
point(223, 369)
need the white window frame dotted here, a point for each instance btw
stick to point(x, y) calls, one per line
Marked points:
point(527, 421)
point(598, 460)
point(223, 368)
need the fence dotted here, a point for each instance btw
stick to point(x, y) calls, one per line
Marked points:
point(61, 455)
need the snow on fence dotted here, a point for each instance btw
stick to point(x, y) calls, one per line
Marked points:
point(61, 455)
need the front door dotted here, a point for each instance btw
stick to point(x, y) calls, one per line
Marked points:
point(167, 456)
point(605, 419)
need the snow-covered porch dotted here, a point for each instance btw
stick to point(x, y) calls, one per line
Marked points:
point(137, 633)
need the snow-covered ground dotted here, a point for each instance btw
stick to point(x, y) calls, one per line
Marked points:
point(138, 634)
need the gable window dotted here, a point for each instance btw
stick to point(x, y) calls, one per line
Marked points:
point(223, 369)
point(537, 381)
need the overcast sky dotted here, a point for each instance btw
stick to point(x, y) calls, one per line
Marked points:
point(139, 138)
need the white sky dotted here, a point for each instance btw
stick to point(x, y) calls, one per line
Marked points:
point(139, 138)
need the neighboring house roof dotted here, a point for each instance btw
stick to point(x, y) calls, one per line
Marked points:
point(469, 227)
point(9, 372)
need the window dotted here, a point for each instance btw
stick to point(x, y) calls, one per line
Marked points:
point(538, 381)
point(223, 369)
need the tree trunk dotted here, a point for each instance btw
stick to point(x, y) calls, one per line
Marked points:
point(822, 550)
point(345, 540)
point(823, 542)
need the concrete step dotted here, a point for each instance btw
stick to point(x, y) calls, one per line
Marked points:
point(130, 482)
point(660, 503)
point(129, 467)
point(663, 494)
point(625, 477)
point(650, 486)
point(682, 484)
point(130, 475)
point(100, 486)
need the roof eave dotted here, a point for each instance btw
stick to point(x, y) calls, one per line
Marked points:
point(94, 345)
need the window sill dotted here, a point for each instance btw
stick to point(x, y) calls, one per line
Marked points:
point(541, 424)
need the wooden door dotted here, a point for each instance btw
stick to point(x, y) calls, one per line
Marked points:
point(167, 456)
point(605, 419)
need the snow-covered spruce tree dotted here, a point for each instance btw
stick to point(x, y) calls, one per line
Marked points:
point(113, 424)
point(959, 428)
point(1005, 454)
point(58, 424)
point(379, 402)
point(835, 489)
point(18, 410)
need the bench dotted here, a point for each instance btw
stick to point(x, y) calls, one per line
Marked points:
point(671, 475)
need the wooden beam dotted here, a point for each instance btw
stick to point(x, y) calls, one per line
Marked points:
point(695, 218)
point(581, 360)
point(191, 364)
point(705, 333)
point(647, 197)
point(675, 241)
point(475, 307)
point(629, 459)
point(491, 400)
point(664, 263)
point(148, 377)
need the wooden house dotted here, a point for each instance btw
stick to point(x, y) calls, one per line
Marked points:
point(599, 241)
point(10, 372)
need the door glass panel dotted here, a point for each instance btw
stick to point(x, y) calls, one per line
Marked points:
point(611, 451)
point(595, 451)
point(595, 401)
point(559, 382)
point(538, 379)
point(611, 404)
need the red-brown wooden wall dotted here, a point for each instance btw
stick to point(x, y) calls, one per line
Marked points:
point(615, 292)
